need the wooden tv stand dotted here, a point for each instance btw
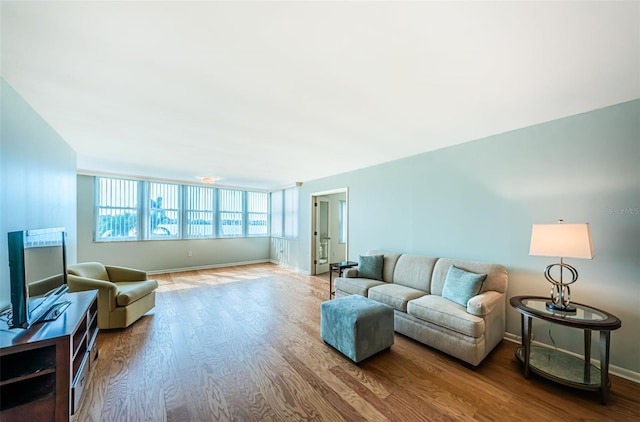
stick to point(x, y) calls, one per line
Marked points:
point(44, 369)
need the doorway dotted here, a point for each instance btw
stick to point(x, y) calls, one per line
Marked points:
point(321, 233)
point(329, 228)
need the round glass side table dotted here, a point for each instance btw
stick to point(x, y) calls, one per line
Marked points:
point(559, 366)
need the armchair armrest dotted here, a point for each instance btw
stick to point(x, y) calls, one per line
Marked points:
point(125, 274)
point(107, 291)
point(484, 303)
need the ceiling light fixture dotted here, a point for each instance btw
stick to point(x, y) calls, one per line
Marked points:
point(207, 179)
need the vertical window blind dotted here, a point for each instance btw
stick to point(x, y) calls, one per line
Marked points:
point(230, 212)
point(284, 213)
point(199, 209)
point(116, 209)
point(290, 213)
point(277, 220)
point(164, 210)
point(257, 214)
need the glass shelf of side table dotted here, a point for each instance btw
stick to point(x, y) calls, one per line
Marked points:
point(559, 366)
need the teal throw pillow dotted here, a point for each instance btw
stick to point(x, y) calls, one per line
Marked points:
point(370, 266)
point(461, 285)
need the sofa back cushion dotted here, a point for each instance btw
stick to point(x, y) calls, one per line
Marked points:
point(414, 271)
point(388, 265)
point(496, 280)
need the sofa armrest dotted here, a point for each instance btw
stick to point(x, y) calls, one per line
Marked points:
point(350, 272)
point(125, 274)
point(484, 303)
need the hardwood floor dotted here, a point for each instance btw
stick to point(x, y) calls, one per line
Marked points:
point(243, 344)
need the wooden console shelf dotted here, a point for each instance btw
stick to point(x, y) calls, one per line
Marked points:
point(44, 370)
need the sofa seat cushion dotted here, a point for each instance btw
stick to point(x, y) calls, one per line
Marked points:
point(129, 292)
point(445, 313)
point(395, 295)
point(356, 286)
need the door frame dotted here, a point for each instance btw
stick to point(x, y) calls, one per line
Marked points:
point(313, 198)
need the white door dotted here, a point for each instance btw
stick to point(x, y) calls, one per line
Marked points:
point(321, 234)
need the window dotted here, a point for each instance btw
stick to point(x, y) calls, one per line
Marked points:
point(342, 221)
point(200, 216)
point(284, 213)
point(291, 213)
point(164, 211)
point(149, 210)
point(230, 212)
point(116, 209)
point(257, 214)
point(277, 220)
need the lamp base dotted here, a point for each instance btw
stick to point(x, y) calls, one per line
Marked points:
point(559, 308)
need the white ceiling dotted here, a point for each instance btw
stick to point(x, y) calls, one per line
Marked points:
point(264, 94)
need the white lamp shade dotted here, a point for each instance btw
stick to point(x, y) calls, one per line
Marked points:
point(561, 240)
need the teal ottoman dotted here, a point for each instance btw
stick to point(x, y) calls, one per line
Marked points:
point(357, 326)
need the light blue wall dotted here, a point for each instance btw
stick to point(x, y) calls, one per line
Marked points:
point(478, 201)
point(160, 255)
point(38, 178)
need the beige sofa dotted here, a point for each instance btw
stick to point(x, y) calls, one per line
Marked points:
point(413, 286)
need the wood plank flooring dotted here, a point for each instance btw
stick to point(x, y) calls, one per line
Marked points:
point(243, 344)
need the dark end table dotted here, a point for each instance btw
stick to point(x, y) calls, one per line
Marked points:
point(338, 268)
point(559, 366)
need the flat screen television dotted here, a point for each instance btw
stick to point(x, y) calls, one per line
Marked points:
point(38, 275)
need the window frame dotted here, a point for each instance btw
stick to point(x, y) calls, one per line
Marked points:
point(143, 210)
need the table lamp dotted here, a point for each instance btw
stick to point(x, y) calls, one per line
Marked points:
point(564, 241)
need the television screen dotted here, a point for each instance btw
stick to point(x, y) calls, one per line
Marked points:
point(37, 261)
point(44, 271)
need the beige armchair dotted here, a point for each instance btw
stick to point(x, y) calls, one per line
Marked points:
point(124, 294)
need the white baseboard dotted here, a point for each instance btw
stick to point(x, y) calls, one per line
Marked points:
point(614, 370)
point(290, 267)
point(207, 267)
